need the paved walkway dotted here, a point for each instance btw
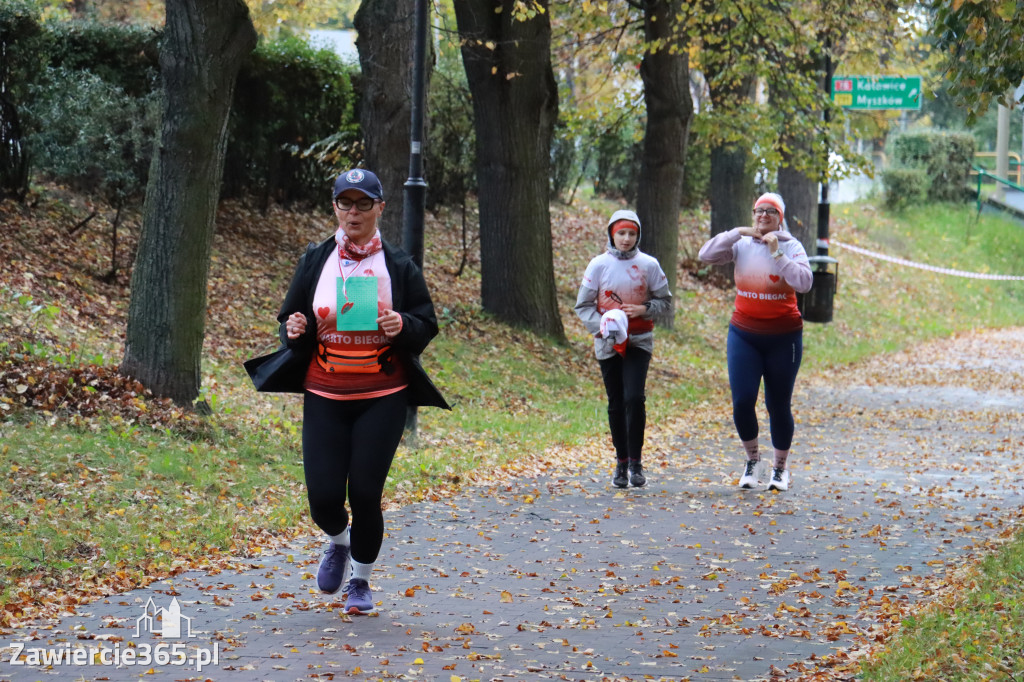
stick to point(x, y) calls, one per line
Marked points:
point(899, 480)
point(1010, 202)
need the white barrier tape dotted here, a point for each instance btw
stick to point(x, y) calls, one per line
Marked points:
point(922, 266)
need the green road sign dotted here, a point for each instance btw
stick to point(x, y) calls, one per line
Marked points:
point(877, 92)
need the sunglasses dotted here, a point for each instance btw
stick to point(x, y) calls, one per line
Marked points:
point(765, 211)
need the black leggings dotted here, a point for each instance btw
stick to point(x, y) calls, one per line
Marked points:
point(624, 381)
point(349, 444)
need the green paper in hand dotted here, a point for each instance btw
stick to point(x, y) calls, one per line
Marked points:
point(359, 312)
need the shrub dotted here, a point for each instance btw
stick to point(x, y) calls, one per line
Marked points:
point(22, 58)
point(24, 46)
point(289, 97)
point(123, 55)
point(905, 187)
point(91, 134)
point(945, 159)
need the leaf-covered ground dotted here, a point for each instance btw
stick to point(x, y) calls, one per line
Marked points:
point(63, 329)
point(900, 483)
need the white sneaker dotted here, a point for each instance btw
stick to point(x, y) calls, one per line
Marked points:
point(749, 478)
point(780, 480)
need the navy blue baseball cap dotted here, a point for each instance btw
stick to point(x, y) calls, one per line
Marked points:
point(363, 180)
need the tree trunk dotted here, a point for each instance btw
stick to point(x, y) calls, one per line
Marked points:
point(800, 188)
point(386, 33)
point(731, 194)
point(515, 104)
point(203, 46)
point(666, 77)
point(731, 188)
point(800, 192)
point(13, 160)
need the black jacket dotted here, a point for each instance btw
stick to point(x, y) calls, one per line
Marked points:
point(285, 370)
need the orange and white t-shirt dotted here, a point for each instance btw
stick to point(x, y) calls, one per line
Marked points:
point(352, 365)
point(765, 287)
point(619, 281)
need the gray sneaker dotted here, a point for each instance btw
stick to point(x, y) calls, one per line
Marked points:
point(636, 475)
point(333, 567)
point(360, 598)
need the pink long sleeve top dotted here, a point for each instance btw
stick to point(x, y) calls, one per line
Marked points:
point(765, 287)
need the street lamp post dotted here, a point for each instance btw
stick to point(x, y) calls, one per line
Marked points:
point(414, 205)
point(415, 200)
point(823, 204)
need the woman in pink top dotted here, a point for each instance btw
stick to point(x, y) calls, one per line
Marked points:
point(356, 318)
point(766, 330)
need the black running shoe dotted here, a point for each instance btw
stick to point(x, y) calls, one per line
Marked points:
point(636, 475)
point(621, 480)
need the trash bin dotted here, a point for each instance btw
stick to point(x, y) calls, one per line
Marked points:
point(816, 304)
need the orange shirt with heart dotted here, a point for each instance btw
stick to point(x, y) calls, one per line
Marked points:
point(765, 304)
point(352, 365)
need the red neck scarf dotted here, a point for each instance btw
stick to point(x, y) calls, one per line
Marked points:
point(352, 251)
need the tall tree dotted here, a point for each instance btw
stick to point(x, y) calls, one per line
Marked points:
point(803, 146)
point(781, 46)
point(725, 57)
point(983, 48)
point(204, 44)
point(665, 71)
point(506, 53)
point(731, 86)
point(731, 186)
point(385, 44)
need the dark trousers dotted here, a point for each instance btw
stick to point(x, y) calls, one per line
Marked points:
point(347, 449)
point(625, 378)
point(776, 358)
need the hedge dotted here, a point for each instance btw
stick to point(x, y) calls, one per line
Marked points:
point(945, 159)
point(287, 97)
point(905, 187)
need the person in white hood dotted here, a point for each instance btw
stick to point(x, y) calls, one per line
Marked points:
point(622, 293)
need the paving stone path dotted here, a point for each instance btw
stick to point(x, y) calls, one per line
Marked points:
point(898, 481)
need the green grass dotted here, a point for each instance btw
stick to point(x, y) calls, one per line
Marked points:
point(133, 501)
point(975, 638)
point(883, 307)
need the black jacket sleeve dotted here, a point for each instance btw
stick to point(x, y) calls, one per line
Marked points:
point(299, 298)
